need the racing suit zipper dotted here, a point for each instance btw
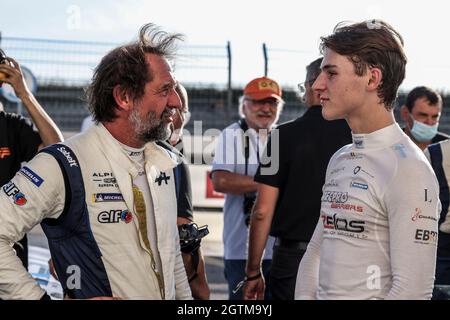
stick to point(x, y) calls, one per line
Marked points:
point(140, 211)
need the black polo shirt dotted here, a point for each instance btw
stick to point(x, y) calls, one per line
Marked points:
point(19, 142)
point(305, 148)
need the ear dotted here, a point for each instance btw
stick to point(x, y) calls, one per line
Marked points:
point(404, 113)
point(122, 98)
point(375, 79)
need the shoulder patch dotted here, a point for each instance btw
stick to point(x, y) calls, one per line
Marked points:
point(32, 176)
point(400, 149)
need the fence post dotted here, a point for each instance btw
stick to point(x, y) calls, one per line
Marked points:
point(264, 47)
point(230, 89)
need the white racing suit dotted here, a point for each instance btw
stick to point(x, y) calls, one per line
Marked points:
point(377, 235)
point(92, 227)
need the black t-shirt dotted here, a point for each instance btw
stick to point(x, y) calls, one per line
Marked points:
point(19, 142)
point(182, 182)
point(305, 148)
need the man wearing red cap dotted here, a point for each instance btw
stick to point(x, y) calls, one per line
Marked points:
point(236, 160)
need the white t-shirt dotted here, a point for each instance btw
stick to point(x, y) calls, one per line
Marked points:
point(229, 156)
point(377, 234)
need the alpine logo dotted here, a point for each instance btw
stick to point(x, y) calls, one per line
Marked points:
point(104, 179)
point(115, 216)
point(358, 142)
point(162, 177)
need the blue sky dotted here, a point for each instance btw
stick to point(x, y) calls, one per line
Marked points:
point(287, 24)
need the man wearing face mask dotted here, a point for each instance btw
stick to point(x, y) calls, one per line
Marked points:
point(421, 114)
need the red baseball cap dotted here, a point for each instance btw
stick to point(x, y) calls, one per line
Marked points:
point(263, 88)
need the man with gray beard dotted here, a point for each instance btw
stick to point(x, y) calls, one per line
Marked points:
point(106, 198)
point(238, 151)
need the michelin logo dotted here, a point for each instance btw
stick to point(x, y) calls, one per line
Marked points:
point(107, 197)
point(359, 185)
point(32, 176)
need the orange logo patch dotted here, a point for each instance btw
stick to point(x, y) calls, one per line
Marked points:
point(4, 152)
point(264, 85)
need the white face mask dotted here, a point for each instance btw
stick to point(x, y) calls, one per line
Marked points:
point(423, 132)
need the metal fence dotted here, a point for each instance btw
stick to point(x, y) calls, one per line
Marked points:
point(64, 68)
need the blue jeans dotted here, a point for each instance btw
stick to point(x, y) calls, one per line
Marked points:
point(235, 272)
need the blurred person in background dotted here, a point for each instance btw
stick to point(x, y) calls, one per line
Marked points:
point(439, 156)
point(20, 139)
point(421, 114)
point(190, 234)
point(238, 151)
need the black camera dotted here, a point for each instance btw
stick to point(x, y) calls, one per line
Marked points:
point(191, 236)
point(249, 201)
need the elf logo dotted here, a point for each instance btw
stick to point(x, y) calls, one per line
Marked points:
point(114, 216)
point(14, 193)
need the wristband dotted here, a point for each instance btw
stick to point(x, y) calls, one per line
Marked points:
point(246, 279)
point(257, 276)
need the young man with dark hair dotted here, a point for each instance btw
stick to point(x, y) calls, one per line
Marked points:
point(287, 208)
point(106, 198)
point(421, 114)
point(366, 244)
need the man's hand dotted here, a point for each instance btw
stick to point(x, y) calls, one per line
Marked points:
point(254, 289)
point(14, 77)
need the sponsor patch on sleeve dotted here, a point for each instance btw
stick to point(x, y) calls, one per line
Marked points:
point(32, 176)
point(14, 193)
